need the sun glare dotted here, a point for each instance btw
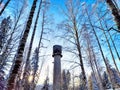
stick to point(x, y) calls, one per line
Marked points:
point(30, 78)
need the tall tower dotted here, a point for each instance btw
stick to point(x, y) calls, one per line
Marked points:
point(57, 54)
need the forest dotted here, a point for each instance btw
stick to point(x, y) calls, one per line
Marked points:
point(59, 44)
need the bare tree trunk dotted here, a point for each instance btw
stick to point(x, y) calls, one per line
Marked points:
point(19, 57)
point(90, 83)
point(73, 83)
point(90, 59)
point(109, 46)
point(4, 54)
point(6, 4)
point(41, 36)
point(1, 2)
point(79, 51)
point(114, 46)
point(72, 27)
point(115, 2)
point(98, 42)
point(25, 77)
point(97, 67)
point(115, 13)
point(39, 44)
point(113, 42)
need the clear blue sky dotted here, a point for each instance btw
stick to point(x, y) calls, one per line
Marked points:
point(58, 16)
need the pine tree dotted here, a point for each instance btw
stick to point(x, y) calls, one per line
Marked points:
point(82, 85)
point(106, 82)
point(65, 80)
point(68, 78)
point(5, 30)
point(115, 78)
point(46, 84)
point(95, 86)
point(2, 80)
point(34, 62)
point(64, 85)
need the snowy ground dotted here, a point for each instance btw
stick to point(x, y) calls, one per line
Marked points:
point(112, 89)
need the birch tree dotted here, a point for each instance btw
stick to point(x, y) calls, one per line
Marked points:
point(73, 31)
point(106, 82)
point(97, 38)
point(115, 12)
point(27, 67)
point(6, 4)
point(90, 57)
point(12, 38)
point(11, 82)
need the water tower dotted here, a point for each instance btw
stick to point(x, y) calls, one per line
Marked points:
point(57, 54)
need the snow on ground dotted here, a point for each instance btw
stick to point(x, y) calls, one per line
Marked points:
point(112, 89)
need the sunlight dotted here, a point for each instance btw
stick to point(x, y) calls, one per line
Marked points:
point(30, 78)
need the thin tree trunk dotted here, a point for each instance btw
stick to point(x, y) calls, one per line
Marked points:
point(41, 35)
point(91, 63)
point(109, 46)
point(35, 69)
point(73, 83)
point(40, 39)
point(1, 2)
point(4, 54)
point(115, 13)
point(114, 46)
point(98, 42)
point(94, 58)
point(115, 2)
point(94, 74)
point(19, 57)
point(79, 51)
point(113, 43)
point(6, 4)
point(25, 77)
point(39, 72)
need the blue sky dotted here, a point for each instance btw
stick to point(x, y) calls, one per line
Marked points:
point(55, 7)
point(58, 17)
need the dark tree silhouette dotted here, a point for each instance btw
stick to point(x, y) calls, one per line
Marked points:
point(19, 57)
